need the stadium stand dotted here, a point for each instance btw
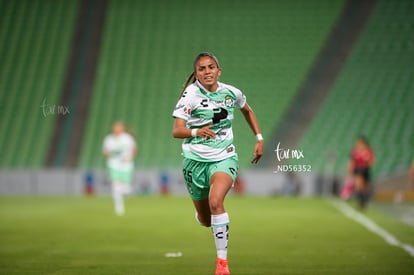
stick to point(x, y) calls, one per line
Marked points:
point(320, 77)
point(265, 49)
point(34, 42)
point(77, 87)
point(373, 96)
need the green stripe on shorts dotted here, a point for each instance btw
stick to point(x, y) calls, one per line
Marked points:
point(197, 174)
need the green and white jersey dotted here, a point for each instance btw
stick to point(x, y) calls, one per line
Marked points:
point(121, 149)
point(199, 108)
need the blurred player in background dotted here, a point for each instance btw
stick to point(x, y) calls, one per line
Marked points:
point(359, 166)
point(120, 149)
point(203, 118)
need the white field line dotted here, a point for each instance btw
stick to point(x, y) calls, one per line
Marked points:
point(371, 226)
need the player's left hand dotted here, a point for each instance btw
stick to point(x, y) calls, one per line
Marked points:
point(258, 151)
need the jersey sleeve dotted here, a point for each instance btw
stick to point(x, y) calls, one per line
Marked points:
point(132, 143)
point(240, 99)
point(105, 145)
point(183, 108)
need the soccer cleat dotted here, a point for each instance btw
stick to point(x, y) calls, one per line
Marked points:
point(222, 267)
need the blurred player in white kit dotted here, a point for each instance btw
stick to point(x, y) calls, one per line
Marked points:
point(120, 150)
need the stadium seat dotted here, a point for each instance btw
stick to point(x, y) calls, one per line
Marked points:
point(35, 37)
point(265, 49)
point(372, 96)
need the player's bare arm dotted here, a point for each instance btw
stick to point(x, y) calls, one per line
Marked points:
point(181, 131)
point(252, 121)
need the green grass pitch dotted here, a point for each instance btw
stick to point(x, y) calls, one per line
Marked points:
point(77, 235)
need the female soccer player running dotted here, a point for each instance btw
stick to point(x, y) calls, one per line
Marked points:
point(120, 149)
point(203, 118)
point(362, 159)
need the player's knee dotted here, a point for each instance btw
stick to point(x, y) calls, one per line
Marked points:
point(216, 205)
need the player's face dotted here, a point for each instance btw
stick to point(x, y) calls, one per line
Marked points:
point(118, 129)
point(360, 144)
point(207, 72)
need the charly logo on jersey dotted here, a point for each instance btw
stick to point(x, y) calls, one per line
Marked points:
point(227, 102)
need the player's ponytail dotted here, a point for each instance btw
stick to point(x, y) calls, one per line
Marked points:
point(190, 79)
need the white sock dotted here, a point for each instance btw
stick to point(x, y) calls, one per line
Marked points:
point(119, 202)
point(220, 228)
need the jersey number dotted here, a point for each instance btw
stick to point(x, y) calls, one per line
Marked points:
point(188, 176)
point(219, 114)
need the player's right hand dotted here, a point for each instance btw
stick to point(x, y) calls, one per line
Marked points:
point(206, 132)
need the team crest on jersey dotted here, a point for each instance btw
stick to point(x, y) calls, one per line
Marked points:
point(228, 101)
